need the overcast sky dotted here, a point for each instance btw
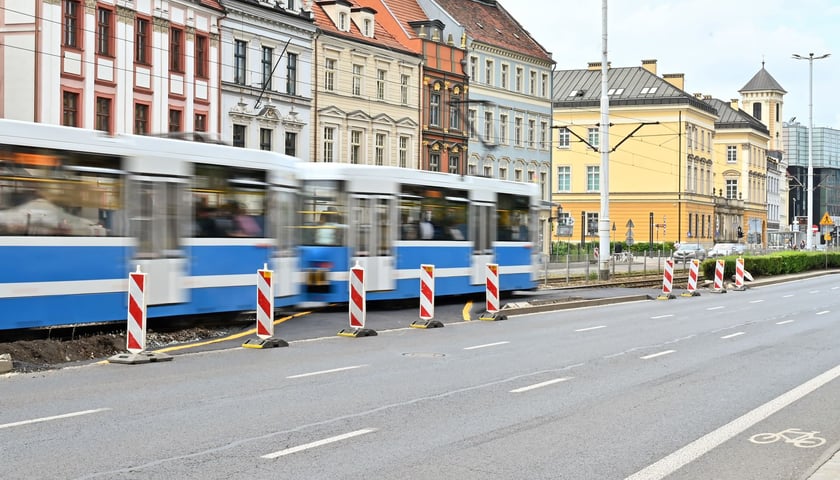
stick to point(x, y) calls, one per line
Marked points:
point(718, 44)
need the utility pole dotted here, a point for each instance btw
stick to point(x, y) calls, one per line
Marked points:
point(604, 146)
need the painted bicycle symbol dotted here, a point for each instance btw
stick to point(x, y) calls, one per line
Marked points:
point(795, 436)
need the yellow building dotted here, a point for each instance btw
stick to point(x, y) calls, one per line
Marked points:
point(665, 162)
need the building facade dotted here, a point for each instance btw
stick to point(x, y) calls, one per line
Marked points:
point(114, 65)
point(826, 181)
point(266, 66)
point(741, 175)
point(662, 166)
point(763, 98)
point(367, 84)
point(443, 90)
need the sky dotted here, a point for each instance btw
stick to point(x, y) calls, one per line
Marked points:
point(718, 44)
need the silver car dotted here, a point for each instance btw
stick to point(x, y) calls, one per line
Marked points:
point(689, 251)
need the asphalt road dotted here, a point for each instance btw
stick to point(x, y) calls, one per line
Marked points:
point(741, 385)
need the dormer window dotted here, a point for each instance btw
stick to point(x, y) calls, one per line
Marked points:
point(290, 5)
point(342, 22)
point(368, 29)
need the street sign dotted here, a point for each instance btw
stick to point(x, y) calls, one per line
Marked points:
point(815, 229)
point(630, 224)
point(826, 220)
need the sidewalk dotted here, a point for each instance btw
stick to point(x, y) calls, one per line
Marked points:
point(830, 470)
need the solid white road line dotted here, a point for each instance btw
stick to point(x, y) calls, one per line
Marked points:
point(706, 443)
point(714, 308)
point(55, 417)
point(732, 335)
point(823, 312)
point(784, 322)
point(590, 328)
point(485, 345)
point(661, 316)
point(540, 385)
point(310, 374)
point(666, 352)
point(319, 443)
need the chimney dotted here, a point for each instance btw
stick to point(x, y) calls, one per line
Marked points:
point(675, 79)
point(593, 66)
point(649, 65)
point(734, 104)
point(698, 96)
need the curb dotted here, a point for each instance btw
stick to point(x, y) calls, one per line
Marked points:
point(549, 307)
point(5, 363)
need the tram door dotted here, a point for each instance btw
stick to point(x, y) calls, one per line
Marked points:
point(283, 223)
point(158, 216)
point(373, 228)
point(483, 225)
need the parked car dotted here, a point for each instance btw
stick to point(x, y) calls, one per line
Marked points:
point(689, 251)
point(724, 249)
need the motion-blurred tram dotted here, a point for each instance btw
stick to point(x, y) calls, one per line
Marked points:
point(393, 220)
point(79, 210)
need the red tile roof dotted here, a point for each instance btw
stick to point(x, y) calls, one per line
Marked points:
point(381, 36)
point(493, 25)
point(212, 4)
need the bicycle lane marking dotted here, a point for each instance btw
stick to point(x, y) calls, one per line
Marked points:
point(708, 442)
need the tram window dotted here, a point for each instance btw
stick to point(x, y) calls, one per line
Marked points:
point(229, 202)
point(323, 213)
point(155, 219)
point(58, 192)
point(429, 213)
point(513, 218)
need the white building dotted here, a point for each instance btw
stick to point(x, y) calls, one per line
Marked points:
point(266, 68)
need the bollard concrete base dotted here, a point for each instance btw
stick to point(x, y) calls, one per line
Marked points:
point(6, 363)
point(426, 324)
point(270, 342)
point(492, 316)
point(138, 358)
point(357, 332)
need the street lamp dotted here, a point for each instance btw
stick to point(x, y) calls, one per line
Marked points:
point(810, 205)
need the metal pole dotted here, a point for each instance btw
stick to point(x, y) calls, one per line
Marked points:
point(809, 208)
point(604, 147)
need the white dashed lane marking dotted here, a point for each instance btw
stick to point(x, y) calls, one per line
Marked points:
point(540, 385)
point(322, 372)
point(823, 312)
point(485, 345)
point(319, 443)
point(654, 355)
point(756, 301)
point(591, 328)
point(661, 316)
point(784, 322)
point(54, 417)
point(733, 335)
point(714, 308)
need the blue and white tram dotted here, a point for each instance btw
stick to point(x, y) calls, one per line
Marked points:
point(393, 220)
point(79, 210)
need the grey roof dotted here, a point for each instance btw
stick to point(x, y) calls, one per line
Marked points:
point(728, 117)
point(582, 88)
point(762, 82)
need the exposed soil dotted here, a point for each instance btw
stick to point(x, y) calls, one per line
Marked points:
point(45, 354)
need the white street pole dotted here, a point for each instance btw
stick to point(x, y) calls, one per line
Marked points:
point(809, 206)
point(604, 147)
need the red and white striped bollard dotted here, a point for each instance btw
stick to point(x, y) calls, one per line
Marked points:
point(739, 274)
point(136, 337)
point(693, 273)
point(717, 286)
point(491, 283)
point(265, 312)
point(667, 280)
point(358, 305)
point(427, 299)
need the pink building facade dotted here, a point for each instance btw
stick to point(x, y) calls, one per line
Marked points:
point(120, 66)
